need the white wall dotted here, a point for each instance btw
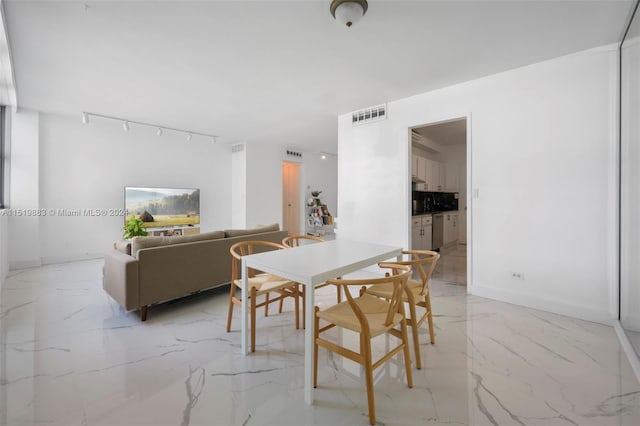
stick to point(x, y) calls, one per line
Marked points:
point(78, 166)
point(238, 182)
point(630, 176)
point(59, 163)
point(24, 231)
point(259, 192)
point(542, 162)
point(321, 175)
point(4, 253)
point(264, 184)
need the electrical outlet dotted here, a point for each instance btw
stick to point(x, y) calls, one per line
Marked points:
point(517, 275)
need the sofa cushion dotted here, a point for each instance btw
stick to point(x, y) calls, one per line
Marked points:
point(229, 233)
point(139, 243)
point(123, 246)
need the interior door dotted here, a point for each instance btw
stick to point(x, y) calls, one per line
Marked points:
point(291, 197)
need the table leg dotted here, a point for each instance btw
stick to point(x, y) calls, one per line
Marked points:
point(308, 344)
point(244, 316)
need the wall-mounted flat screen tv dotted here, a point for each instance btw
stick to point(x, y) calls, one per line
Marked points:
point(161, 207)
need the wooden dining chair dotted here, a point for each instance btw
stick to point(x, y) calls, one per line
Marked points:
point(416, 294)
point(370, 316)
point(296, 241)
point(259, 284)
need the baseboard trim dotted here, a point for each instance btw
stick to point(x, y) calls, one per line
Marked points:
point(540, 303)
point(50, 260)
point(628, 349)
point(71, 258)
point(25, 264)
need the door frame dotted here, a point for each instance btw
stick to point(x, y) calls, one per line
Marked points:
point(471, 193)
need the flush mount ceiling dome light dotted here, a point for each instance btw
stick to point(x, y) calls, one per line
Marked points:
point(348, 12)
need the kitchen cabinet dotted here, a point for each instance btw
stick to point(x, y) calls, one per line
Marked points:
point(419, 171)
point(421, 228)
point(436, 176)
point(452, 178)
point(450, 228)
point(422, 171)
point(414, 166)
point(431, 172)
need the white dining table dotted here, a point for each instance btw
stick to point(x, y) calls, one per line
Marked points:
point(311, 265)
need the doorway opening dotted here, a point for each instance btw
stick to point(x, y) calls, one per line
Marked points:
point(438, 211)
point(291, 197)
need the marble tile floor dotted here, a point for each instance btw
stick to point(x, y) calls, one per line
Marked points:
point(452, 265)
point(69, 355)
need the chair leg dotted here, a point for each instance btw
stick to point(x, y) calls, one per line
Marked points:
point(296, 299)
point(432, 334)
point(232, 293)
point(316, 335)
point(253, 319)
point(266, 304)
point(338, 294)
point(414, 331)
point(365, 350)
point(407, 356)
point(280, 307)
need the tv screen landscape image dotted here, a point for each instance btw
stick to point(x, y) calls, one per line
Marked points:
point(163, 207)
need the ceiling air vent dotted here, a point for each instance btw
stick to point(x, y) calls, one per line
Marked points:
point(239, 147)
point(368, 115)
point(294, 154)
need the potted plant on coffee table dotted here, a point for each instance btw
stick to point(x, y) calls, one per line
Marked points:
point(133, 228)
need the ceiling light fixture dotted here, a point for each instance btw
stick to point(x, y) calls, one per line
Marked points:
point(348, 12)
point(323, 156)
point(126, 125)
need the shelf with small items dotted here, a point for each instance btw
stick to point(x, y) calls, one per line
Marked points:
point(319, 219)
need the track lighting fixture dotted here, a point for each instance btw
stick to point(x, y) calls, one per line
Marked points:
point(126, 125)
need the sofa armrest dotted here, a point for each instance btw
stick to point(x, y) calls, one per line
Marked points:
point(120, 279)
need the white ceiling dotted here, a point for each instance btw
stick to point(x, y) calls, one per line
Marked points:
point(277, 72)
point(449, 133)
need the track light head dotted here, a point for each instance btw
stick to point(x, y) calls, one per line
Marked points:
point(126, 126)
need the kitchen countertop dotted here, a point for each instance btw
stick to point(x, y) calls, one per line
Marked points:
point(432, 213)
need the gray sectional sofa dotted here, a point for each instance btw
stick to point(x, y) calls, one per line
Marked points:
point(149, 270)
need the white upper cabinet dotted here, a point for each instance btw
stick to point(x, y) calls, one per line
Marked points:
point(414, 166)
point(419, 171)
point(437, 176)
point(452, 178)
point(434, 174)
point(422, 168)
